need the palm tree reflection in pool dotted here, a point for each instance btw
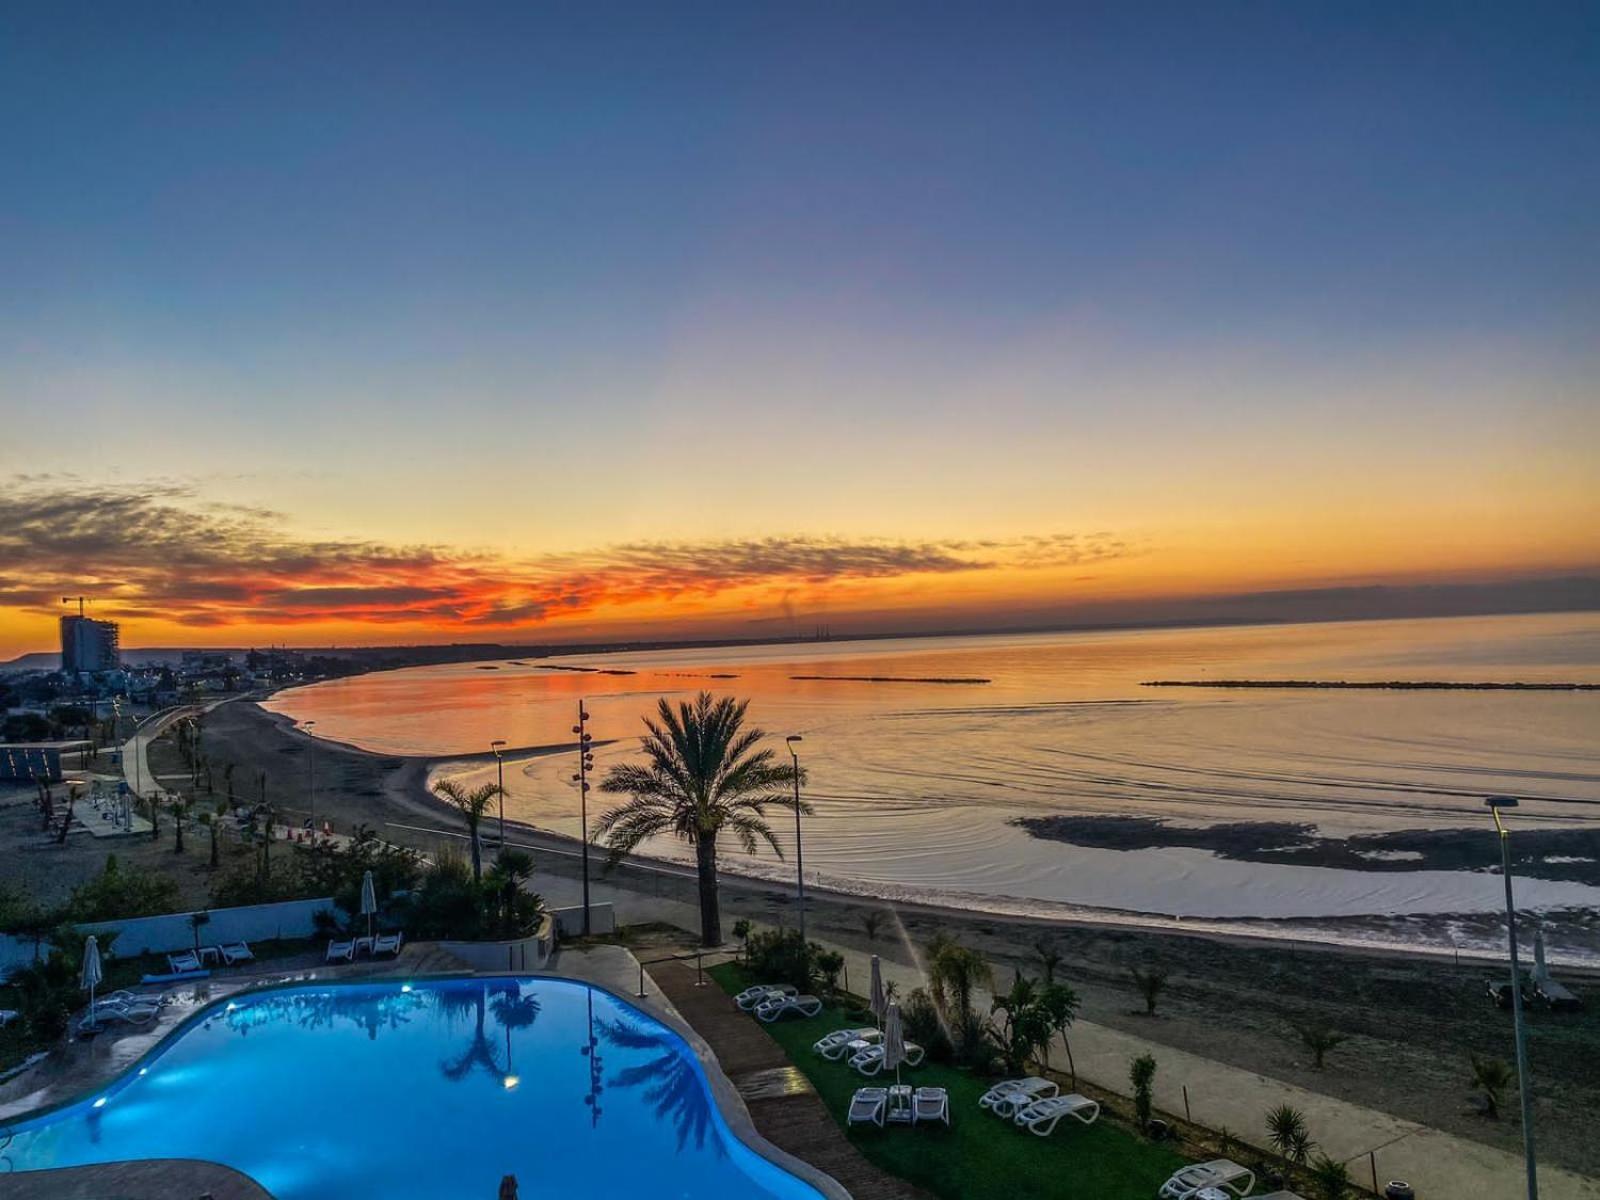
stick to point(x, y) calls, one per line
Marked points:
point(510, 1007)
point(672, 1076)
point(318, 1010)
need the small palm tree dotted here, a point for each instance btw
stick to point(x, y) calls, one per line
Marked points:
point(473, 804)
point(1142, 1075)
point(1319, 1037)
point(1286, 1130)
point(702, 775)
point(1151, 982)
point(1330, 1177)
point(955, 972)
point(1493, 1076)
point(1049, 957)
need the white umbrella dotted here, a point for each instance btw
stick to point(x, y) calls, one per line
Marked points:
point(894, 1041)
point(369, 900)
point(92, 973)
point(877, 1001)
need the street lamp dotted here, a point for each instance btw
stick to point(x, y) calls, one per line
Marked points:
point(311, 769)
point(1494, 805)
point(581, 778)
point(799, 853)
point(500, 780)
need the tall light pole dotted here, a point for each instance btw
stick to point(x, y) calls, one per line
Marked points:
point(585, 765)
point(1495, 804)
point(500, 780)
point(799, 853)
point(311, 771)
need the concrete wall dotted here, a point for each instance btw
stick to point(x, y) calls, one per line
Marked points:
point(569, 921)
point(521, 954)
point(252, 923)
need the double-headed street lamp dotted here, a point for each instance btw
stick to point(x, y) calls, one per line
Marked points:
point(799, 853)
point(500, 780)
point(1495, 804)
point(581, 778)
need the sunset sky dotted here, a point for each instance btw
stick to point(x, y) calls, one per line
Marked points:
point(395, 323)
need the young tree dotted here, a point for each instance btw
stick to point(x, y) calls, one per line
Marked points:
point(1060, 1004)
point(1492, 1076)
point(1330, 1177)
point(1151, 982)
point(741, 931)
point(1142, 1075)
point(1049, 956)
point(1319, 1037)
point(472, 803)
point(1024, 1026)
point(871, 920)
point(955, 973)
point(1286, 1131)
point(702, 776)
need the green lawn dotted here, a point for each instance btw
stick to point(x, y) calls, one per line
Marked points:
point(979, 1157)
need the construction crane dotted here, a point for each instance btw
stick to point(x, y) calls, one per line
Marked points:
point(79, 599)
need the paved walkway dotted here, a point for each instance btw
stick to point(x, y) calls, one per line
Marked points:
point(783, 1106)
point(1436, 1163)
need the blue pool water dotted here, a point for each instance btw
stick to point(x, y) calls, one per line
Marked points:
point(433, 1090)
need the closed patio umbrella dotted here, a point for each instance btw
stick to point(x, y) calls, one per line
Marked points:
point(92, 974)
point(877, 1001)
point(369, 900)
point(894, 1041)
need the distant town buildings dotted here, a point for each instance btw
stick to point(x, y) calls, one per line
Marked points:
point(89, 646)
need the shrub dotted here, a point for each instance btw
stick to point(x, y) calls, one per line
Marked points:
point(1330, 1177)
point(122, 892)
point(1150, 982)
point(1492, 1076)
point(782, 956)
point(1142, 1075)
point(920, 1019)
point(1286, 1131)
point(1319, 1037)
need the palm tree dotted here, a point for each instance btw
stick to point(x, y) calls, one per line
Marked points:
point(1493, 1075)
point(955, 972)
point(1319, 1037)
point(1061, 1009)
point(702, 775)
point(473, 804)
point(1286, 1130)
point(1150, 982)
point(1330, 1177)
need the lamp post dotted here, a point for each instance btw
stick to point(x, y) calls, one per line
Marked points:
point(311, 770)
point(799, 852)
point(1494, 805)
point(500, 781)
point(585, 765)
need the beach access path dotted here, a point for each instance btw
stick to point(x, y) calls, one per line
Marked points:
point(1434, 1162)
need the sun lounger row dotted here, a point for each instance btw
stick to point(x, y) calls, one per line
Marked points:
point(761, 992)
point(835, 1045)
point(1219, 1176)
point(1035, 1104)
point(231, 953)
point(784, 1003)
point(344, 949)
point(868, 1057)
point(899, 1105)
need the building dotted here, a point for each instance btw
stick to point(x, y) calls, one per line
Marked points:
point(89, 645)
point(31, 762)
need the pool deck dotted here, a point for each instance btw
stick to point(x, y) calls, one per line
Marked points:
point(784, 1108)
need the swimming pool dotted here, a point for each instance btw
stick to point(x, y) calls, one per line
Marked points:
point(432, 1089)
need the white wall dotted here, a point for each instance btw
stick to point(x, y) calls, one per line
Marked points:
point(569, 921)
point(252, 923)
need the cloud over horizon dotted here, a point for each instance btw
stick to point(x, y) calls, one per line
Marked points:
point(160, 551)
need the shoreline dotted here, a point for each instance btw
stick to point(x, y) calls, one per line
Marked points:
point(403, 786)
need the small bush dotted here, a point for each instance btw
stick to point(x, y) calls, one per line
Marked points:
point(1142, 1075)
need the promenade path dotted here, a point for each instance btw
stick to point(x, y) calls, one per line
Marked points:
point(1435, 1163)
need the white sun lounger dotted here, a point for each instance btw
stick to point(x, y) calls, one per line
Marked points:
point(1219, 1174)
point(833, 1045)
point(1041, 1116)
point(236, 952)
point(930, 1104)
point(8, 1015)
point(387, 943)
point(869, 1061)
point(187, 961)
point(762, 992)
point(1022, 1093)
point(867, 1106)
point(115, 1010)
point(341, 951)
point(778, 1006)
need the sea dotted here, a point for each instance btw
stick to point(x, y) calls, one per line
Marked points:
point(922, 754)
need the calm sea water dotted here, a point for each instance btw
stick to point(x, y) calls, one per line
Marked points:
point(915, 783)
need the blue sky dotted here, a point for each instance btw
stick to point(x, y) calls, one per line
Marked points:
point(301, 251)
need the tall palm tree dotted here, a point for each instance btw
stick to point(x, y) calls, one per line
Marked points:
point(473, 804)
point(702, 775)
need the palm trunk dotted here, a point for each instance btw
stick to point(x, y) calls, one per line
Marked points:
point(477, 854)
point(705, 853)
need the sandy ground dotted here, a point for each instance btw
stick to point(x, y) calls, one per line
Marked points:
point(1412, 1021)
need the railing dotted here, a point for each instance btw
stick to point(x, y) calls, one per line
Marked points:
point(699, 957)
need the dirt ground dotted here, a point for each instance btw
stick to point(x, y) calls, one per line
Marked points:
point(1412, 1022)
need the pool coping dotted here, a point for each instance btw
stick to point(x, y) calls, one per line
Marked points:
point(730, 1104)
